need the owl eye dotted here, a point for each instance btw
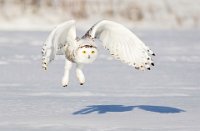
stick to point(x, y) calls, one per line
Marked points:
point(84, 52)
point(92, 52)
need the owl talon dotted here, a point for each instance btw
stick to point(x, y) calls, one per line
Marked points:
point(64, 85)
point(81, 83)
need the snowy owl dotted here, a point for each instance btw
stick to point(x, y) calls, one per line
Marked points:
point(121, 43)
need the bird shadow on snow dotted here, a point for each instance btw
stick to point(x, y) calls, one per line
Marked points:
point(102, 109)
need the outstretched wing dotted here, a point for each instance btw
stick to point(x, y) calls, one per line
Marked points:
point(62, 36)
point(122, 44)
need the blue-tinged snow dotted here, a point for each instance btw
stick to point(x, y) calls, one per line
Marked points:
point(115, 97)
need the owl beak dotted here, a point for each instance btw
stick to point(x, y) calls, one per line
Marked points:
point(88, 56)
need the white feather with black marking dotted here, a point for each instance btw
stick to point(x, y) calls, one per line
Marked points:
point(63, 35)
point(122, 44)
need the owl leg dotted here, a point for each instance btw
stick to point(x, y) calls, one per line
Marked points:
point(79, 74)
point(65, 79)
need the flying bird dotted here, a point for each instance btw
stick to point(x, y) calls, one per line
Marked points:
point(121, 43)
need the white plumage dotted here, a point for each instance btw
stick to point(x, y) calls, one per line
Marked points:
point(120, 41)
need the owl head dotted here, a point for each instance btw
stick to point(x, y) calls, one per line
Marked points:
point(87, 52)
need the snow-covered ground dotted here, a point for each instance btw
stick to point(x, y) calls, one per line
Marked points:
point(115, 97)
